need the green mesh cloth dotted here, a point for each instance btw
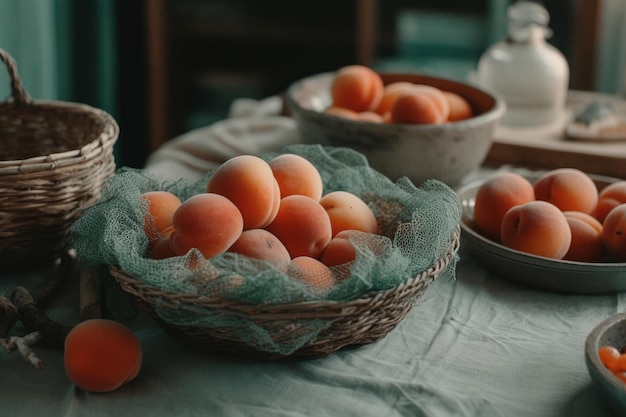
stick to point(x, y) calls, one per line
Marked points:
point(418, 224)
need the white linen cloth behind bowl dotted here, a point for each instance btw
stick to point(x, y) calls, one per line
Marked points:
point(252, 127)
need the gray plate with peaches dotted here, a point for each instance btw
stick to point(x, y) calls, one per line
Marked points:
point(537, 272)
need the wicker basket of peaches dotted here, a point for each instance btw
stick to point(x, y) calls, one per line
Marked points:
point(294, 253)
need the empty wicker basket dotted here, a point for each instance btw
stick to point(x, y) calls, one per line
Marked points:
point(55, 158)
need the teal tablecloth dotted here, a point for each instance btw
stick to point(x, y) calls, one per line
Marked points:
point(479, 347)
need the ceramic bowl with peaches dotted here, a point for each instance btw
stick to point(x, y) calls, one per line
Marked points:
point(406, 124)
point(561, 230)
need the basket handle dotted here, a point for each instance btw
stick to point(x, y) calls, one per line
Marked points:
point(19, 94)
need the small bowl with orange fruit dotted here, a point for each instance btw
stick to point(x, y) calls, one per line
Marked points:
point(605, 357)
point(557, 230)
point(406, 124)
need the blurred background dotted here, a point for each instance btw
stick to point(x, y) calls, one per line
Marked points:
point(164, 67)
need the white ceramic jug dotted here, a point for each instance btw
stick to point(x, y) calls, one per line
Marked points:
point(531, 75)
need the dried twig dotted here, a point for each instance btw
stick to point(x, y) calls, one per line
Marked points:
point(35, 319)
point(8, 316)
point(20, 304)
point(22, 345)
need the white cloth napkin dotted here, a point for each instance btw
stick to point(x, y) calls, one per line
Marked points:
point(252, 127)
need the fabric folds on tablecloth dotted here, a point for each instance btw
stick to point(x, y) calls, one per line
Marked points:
point(253, 127)
point(481, 347)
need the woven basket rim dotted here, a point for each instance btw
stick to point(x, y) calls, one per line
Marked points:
point(105, 140)
point(138, 288)
point(20, 101)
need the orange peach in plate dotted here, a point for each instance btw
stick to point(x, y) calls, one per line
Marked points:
point(538, 228)
point(495, 197)
point(569, 189)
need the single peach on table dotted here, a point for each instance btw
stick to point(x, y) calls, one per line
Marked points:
point(312, 272)
point(460, 109)
point(100, 355)
point(261, 244)
point(248, 181)
point(303, 226)
point(614, 233)
point(569, 189)
point(357, 87)
point(348, 211)
point(587, 244)
point(161, 208)
point(296, 175)
point(537, 228)
point(610, 197)
point(208, 222)
point(495, 197)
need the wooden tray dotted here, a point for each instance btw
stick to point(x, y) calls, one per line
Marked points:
point(547, 147)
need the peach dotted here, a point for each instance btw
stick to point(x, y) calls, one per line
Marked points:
point(248, 181)
point(208, 222)
point(100, 355)
point(495, 197)
point(312, 272)
point(296, 175)
point(342, 112)
point(348, 211)
point(569, 189)
point(610, 197)
point(587, 244)
point(339, 250)
point(608, 356)
point(357, 87)
point(391, 93)
point(363, 116)
point(438, 98)
point(538, 228)
point(417, 107)
point(303, 225)
point(161, 208)
point(162, 248)
point(614, 233)
point(460, 109)
point(370, 116)
point(261, 244)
